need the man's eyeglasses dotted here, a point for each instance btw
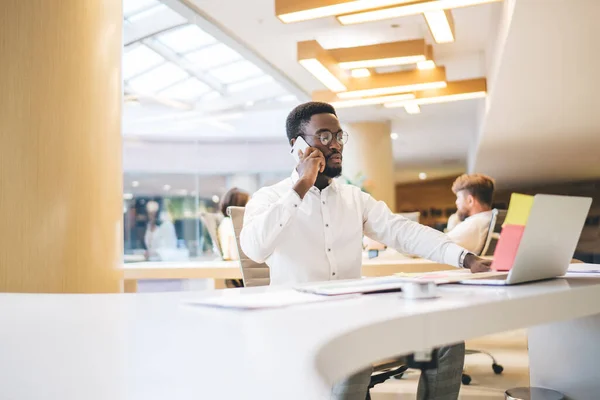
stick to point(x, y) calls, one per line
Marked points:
point(325, 137)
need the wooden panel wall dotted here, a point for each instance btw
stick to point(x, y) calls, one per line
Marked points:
point(430, 197)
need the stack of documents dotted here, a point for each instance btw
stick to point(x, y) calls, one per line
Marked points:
point(366, 285)
point(584, 268)
point(255, 301)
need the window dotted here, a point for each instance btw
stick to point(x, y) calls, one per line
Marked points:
point(236, 72)
point(139, 59)
point(185, 39)
point(213, 56)
point(189, 89)
point(158, 78)
point(131, 7)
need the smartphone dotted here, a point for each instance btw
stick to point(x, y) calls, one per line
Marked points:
point(299, 144)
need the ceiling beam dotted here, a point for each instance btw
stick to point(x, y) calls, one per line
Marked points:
point(135, 32)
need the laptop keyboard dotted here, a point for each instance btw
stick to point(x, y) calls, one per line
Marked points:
point(502, 277)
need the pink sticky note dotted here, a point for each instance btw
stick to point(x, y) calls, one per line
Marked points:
point(506, 249)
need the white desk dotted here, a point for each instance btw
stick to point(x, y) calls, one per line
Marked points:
point(219, 269)
point(151, 346)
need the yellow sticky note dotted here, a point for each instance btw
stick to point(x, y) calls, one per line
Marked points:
point(518, 209)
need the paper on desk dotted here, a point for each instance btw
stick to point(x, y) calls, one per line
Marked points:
point(585, 268)
point(450, 276)
point(256, 301)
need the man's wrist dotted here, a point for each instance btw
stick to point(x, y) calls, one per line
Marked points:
point(302, 187)
point(463, 260)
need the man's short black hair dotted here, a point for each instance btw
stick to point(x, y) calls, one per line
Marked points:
point(302, 114)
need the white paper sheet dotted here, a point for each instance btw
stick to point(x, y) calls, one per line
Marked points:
point(255, 301)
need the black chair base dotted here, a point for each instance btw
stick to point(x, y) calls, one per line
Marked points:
point(384, 376)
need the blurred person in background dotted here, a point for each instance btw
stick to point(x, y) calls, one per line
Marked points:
point(453, 221)
point(233, 198)
point(474, 196)
point(160, 234)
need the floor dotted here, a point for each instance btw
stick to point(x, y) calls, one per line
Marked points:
point(510, 350)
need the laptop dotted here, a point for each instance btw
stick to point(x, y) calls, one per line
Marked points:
point(548, 242)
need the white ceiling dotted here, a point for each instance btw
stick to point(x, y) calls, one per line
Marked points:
point(255, 22)
point(543, 118)
point(438, 139)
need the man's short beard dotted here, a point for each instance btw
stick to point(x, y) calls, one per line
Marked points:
point(332, 172)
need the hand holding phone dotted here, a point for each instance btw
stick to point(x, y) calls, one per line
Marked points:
point(299, 145)
point(310, 162)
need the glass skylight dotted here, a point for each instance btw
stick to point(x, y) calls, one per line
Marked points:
point(186, 38)
point(139, 59)
point(131, 7)
point(213, 56)
point(149, 13)
point(236, 72)
point(157, 79)
point(249, 83)
point(189, 89)
point(171, 55)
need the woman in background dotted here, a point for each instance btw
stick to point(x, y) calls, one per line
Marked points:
point(233, 198)
point(160, 234)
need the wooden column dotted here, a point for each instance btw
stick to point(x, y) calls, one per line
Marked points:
point(60, 146)
point(369, 152)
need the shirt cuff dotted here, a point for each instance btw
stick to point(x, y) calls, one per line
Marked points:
point(452, 254)
point(290, 204)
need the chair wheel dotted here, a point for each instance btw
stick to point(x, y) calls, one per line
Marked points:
point(466, 379)
point(497, 368)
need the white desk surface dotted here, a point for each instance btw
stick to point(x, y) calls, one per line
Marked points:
point(154, 346)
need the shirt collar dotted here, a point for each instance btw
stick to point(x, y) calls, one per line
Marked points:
point(334, 185)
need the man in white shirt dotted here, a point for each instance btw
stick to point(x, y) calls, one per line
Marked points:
point(474, 196)
point(309, 228)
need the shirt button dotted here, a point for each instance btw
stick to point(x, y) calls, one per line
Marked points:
point(281, 225)
point(326, 225)
point(333, 274)
point(323, 202)
point(328, 249)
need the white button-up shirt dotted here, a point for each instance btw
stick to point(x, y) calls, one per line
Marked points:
point(472, 232)
point(319, 238)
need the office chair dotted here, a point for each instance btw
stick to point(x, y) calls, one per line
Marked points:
point(498, 217)
point(211, 222)
point(255, 274)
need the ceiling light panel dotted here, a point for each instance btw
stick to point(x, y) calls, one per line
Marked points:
point(381, 55)
point(333, 99)
point(454, 91)
point(322, 65)
point(414, 8)
point(395, 83)
point(412, 108)
point(361, 73)
point(441, 25)
point(289, 11)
